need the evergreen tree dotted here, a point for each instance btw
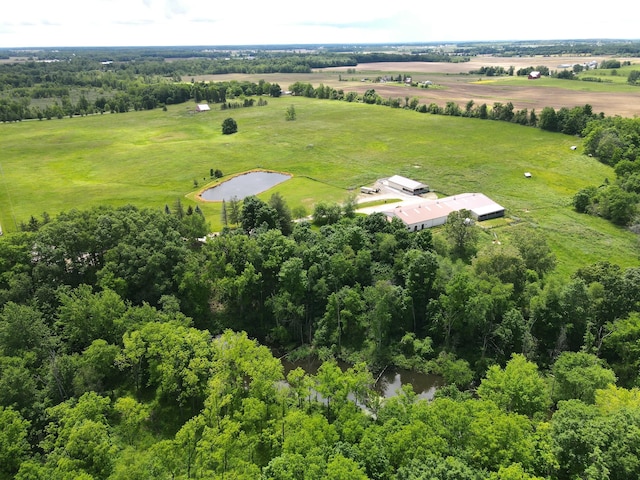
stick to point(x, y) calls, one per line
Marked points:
point(225, 220)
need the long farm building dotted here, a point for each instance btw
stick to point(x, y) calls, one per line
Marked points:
point(431, 213)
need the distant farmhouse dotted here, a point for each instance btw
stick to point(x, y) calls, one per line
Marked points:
point(407, 185)
point(431, 213)
point(534, 75)
point(202, 107)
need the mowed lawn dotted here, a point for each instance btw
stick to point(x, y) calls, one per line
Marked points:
point(152, 158)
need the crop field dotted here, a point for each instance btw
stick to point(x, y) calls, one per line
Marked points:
point(453, 82)
point(153, 158)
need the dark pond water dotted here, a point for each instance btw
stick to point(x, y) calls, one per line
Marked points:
point(250, 183)
point(389, 383)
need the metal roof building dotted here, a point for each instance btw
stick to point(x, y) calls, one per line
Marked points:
point(431, 213)
point(407, 185)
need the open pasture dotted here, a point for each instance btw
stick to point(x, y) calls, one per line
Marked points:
point(153, 158)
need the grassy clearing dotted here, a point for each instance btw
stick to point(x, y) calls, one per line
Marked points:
point(613, 84)
point(616, 75)
point(153, 158)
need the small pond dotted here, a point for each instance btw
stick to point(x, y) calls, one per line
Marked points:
point(244, 185)
point(424, 384)
point(389, 382)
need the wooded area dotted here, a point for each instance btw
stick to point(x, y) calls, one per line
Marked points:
point(124, 352)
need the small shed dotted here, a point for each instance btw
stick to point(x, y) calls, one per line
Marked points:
point(407, 185)
point(534, 75)
point(202, 107)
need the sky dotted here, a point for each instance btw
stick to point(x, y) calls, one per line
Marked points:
point(78, 23)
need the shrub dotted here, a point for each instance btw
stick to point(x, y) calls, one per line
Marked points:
point(229, 126)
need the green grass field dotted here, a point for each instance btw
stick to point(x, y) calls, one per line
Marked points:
point(610, 83)
point(152, 158)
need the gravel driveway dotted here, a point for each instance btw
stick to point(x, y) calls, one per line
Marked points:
point(393, 198)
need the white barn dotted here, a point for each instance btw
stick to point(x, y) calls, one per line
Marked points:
point(432, 213)
point(407, 185)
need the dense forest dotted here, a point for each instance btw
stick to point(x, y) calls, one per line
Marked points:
point(132, 348)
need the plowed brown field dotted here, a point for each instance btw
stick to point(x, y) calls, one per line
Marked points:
point(453, 83)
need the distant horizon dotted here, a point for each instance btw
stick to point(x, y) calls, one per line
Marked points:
point(325, 44)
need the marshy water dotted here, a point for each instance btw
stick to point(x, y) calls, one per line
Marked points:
point(244, 185)
point(389, 382)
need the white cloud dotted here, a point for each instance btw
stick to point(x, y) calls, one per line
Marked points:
point(203, 22)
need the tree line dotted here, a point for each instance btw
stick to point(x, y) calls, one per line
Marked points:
point(135, 97)
point(543, 48)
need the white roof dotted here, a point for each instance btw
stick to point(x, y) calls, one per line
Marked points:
point(478, 203)
point(406, 182)
point(487, 209)
point(202, 107)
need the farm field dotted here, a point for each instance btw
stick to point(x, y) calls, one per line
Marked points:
point(153, 158)
point(453, 82)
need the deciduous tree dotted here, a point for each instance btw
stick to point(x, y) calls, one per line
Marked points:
point(256, 213)
point(517, 388)
point(461, 232)
point(14, 446)
point(535, 250)
point(577, 375)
